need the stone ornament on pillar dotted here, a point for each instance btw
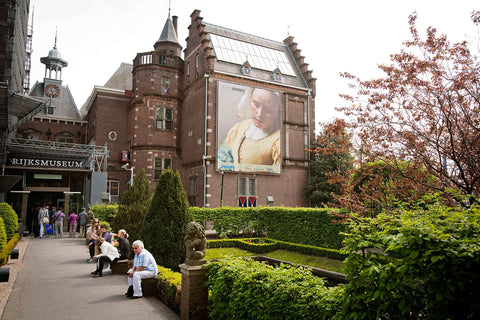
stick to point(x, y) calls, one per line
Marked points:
point(195, 244)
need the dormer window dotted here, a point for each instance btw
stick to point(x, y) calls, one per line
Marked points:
point(246, 69)
point(277, 75)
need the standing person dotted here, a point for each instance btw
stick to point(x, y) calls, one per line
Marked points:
point(72, 221)
point(93, 233)
point(51, 212)
point(144, 266)
point(58, 219)
point(108, 254)
point(43, 219)
point(82, 221)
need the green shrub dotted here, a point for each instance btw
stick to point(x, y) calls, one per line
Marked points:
point(105, 212)
point(419, 264)
point(134, 207)
point(3, 234)
point(169, 285)
point(310, 226)
point(10, 219)
point(7, 249)
point(246, 289)
point(163, 230)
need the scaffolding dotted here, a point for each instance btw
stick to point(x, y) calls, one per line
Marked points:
point(94, 156)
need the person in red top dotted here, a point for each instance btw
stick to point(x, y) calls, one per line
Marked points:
point(72, 220)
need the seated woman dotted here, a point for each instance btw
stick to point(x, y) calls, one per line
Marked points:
point(93, 233)
point(122, 244)
point(109, 254)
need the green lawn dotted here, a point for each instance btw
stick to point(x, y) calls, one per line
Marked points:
point(294, 257)
point(220, 253)
point(307, 260)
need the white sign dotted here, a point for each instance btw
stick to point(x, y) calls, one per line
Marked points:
point(26, 162)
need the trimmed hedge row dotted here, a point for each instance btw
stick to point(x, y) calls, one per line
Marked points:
point(246, 289)
point(308, 226)
point(5, 252)
point(169, 285)
point(264, 245)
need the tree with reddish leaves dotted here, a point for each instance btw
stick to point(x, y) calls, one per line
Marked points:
point(330, 162)
point(425, 112)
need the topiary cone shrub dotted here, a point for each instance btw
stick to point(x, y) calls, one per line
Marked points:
point(10, 219)
point(134, 207)
point(163, 230)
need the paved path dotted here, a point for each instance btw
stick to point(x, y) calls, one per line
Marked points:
point(54, 282)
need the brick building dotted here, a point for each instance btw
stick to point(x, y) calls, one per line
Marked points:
point(232, 112)
point(169, 111)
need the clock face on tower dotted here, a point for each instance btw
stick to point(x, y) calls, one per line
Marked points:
point(52, 90)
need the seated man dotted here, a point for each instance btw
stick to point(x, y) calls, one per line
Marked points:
point(144, 266)
point(109, 254)
point(107, 235)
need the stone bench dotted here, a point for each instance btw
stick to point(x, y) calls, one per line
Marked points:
point(120, 267)
point(149, 287)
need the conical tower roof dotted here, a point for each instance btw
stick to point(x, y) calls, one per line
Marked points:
point(168, 33)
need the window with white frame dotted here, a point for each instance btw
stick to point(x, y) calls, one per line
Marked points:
point(247, 187)
point(112, 187)
point(50, 109)
point(164, 118)
point(160, 165)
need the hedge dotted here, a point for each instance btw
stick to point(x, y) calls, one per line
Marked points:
point(309, 226)
point(265, 245)
point(5, 252)
point(169, 284)
point(3, 235)
point(105, 212)
point(246, 289)
point(10, 219)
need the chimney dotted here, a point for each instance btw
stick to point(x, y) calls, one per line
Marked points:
point(174, 19)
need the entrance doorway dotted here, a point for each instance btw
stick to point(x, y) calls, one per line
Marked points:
point(35, 202)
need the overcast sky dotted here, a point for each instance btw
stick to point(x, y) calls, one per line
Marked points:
point(96, 36)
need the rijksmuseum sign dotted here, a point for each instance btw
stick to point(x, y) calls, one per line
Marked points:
point(28, 162)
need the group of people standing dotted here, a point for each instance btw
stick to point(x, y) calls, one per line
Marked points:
point(50, 222)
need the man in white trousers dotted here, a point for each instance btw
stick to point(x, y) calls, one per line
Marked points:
point(144, 266)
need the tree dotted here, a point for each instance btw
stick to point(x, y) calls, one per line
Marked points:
point(425, 111)
point(380, 186)
point(163, 230)
point(134, 207)
point(331, 159)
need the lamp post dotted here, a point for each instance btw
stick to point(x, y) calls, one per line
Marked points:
point(126, 167)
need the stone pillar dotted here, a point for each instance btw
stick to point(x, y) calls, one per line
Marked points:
point(194, 296)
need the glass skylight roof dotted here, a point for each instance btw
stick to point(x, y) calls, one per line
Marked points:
point(235, 51)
